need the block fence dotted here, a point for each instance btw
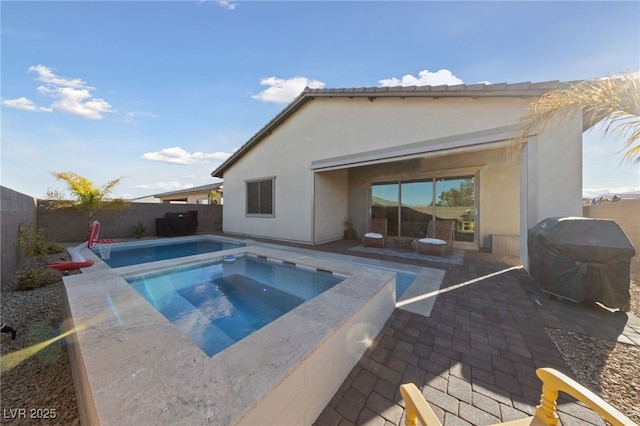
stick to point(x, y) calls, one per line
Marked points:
point(69, 226)
point(625, 213)
point(15, 208)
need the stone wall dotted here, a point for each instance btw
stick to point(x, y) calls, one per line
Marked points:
point(625, 213)
point(68, 225)
point(16, 208)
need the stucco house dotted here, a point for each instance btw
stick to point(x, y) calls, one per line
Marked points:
point(195, 195)
point(410, 154)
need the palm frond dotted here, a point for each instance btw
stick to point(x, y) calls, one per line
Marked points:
point(614, 100)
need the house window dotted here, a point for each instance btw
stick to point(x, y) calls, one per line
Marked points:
point(260, 197)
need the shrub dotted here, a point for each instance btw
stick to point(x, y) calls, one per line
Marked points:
point(36, 276)
point(32, 242)
point(139, 230)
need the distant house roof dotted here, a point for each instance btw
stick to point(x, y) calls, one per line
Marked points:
point(195, 189)
point(526, 89)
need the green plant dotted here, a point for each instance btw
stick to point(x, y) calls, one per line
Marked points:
point(139, 230)
point(614, 100)
point(85, 196)
point(214, 197)
point(31, 241)
point(37, 276)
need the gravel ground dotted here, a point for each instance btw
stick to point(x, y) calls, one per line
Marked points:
point(611, 369)
point(41, 385)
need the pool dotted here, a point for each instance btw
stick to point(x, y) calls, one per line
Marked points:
point(132, 365)
point(217, 304)
point(127, 254)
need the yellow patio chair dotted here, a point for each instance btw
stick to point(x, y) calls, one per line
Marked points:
point(439, 238)
point(553, 381)
point(377, 233)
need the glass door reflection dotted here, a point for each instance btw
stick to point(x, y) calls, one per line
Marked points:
point(384, 204)
point(417, 208)
point(456, 200)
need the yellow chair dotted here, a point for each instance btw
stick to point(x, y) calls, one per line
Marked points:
point(553, 381)
point(377, 233)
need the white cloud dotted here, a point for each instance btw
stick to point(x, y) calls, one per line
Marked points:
point(23, 104)
point(285, 90)
point(171, 185)
point(131, 115)
point(46, 75)
point(177, 155)
point(226, 4)
point(425, 78)
point(72, 96)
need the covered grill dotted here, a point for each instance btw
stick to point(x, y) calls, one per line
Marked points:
point(583, 260)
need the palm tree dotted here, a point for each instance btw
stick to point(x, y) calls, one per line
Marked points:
point(85, 195)
point(615, 100)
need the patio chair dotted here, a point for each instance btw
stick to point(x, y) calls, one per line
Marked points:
point(377, 233)
point(439, 238)
point(553, 381)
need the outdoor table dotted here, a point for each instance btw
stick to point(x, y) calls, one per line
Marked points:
point(403, 243)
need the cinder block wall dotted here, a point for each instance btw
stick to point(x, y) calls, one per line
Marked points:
point(16, 208)
point(68, 225)
point(625, 213)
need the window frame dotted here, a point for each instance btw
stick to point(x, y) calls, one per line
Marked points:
point(260, 181)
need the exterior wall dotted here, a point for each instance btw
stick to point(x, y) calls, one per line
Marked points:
point(499, 202)
point(625, 213)
point(190, 198)
point(68, 225)
point(16, 208)
point(331, 205)
point(326, 128)
point(551, 178)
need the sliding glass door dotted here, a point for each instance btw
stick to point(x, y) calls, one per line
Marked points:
point(408, 206)
point(384, 204)
point(456, 200)
point(417, 208)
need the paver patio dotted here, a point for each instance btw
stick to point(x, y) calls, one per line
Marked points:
point(476, 354)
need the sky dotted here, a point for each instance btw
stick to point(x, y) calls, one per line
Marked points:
point(161, 93)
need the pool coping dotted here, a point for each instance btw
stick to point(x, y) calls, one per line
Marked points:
point(122, 347)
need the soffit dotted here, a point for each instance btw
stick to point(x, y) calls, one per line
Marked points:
point(469, 142)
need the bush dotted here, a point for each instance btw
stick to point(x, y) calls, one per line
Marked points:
point(32, 242)
point(36, 276)
point(139, 230)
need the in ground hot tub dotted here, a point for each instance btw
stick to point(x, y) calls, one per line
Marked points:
point(132, 365)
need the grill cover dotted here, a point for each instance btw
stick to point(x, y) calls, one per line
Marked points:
point(581, 259)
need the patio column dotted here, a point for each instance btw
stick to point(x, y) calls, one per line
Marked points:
point(550, 176)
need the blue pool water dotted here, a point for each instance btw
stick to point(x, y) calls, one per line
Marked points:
point(403, 281)
point(218, 304)
point(135, 254)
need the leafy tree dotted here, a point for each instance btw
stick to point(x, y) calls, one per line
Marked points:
point(85, 196)
point(462, 196)
point(615, 100)
point(214, 197)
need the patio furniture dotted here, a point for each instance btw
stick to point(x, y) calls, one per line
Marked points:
point(553, 381)
point(403, 243)
point(439, 238)
point(377, 233)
